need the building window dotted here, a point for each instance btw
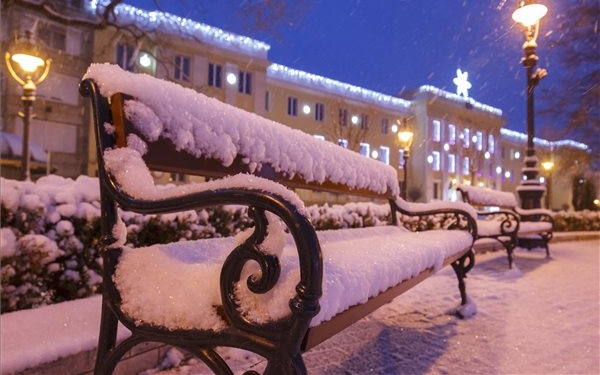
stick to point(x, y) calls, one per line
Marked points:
point(319, 111)
point(466, 137)
point(364, 149)
point(319, 137)
point(465, 166)
point(435, 160)
point(125, 56)
point(479, 140)
point(343, 143)
point(267, 101)
point(292, 108)
point(452, 134)
point(385, 126)
point(452, 163)
point(401, 159)
point(343, 117)
point(245, 83)
point(364, 121)
point(182, 68)
point(384, 154)
point(436, 131)
point(215, 73)
point(436, 190)
point(53, 36)
point(491, 144)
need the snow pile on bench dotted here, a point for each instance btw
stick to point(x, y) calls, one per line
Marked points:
point(488, 197)
point(207, 127)
point(177, 285)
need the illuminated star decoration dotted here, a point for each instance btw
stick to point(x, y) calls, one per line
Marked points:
point(462, 83)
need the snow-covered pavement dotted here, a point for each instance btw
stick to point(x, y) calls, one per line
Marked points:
point(539, 318)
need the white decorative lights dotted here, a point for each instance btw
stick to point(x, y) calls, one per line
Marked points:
point(462, 83)
point(306, 109)
point(448, 95)
point(231, 78)
point(145, 60)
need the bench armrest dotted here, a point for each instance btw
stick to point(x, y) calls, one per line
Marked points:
point(535, 214)
point(508, 220)
point(435, 215)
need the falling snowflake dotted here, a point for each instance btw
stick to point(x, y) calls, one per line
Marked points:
point(462, 83)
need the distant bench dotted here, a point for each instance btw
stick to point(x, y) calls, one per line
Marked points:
point(277, 289)
point(502, 220)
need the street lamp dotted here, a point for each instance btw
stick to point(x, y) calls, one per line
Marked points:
point(548, 165)
point(405, 139)
point(529, 14)
point(23, 59)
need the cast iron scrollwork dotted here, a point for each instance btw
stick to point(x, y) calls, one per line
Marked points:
point(250, 250)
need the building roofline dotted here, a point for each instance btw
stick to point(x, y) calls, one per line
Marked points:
point(317, 82)
point(185, 28)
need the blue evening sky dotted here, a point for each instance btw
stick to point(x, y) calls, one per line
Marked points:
point(395, 45)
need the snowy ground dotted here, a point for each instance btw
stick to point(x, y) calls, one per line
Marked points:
point(540, 318)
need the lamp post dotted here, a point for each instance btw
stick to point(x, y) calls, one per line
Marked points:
point(529, 14)
point(23, 60)
point(405, 139)
point(548, 165)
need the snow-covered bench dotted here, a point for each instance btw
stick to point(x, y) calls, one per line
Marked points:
point(500, 218)
point(277, 289)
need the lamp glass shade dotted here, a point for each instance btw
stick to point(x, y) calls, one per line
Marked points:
point(405, 137)
point(529, 14)
point(27, 62)
point(547, 165)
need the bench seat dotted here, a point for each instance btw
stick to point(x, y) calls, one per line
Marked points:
point(160, 284)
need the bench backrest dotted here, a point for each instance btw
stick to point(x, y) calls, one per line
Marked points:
point(183, 131)
point(485, 197)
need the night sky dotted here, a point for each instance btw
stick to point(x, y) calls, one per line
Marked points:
point(395, 45)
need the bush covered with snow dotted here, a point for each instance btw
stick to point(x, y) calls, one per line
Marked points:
point(570, 221)
point(50, 231)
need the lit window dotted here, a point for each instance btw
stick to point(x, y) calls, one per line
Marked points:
point(452, 163)
point(491, 144)
point(466, 137)
point(343, 143)
point(435, 164)
point(436, 131)
point(385, 126)
point(465, 166)
point(364, 149)
point(401, 158)
point(182, 68)
point(292, 108)
point(319, 111)
point(319, 137)
point(245, 83)
point(479, 140)
point(452, 134)
point(214, 75)
point(384, 154)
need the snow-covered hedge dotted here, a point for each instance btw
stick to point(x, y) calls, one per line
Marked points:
point(570, 221)
point(50, 231)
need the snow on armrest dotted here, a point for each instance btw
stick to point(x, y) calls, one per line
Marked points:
point(133, 176)
point(533, 211)
point(488, 197)
point(436, 206)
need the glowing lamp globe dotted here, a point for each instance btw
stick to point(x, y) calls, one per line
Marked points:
point(528, 13)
